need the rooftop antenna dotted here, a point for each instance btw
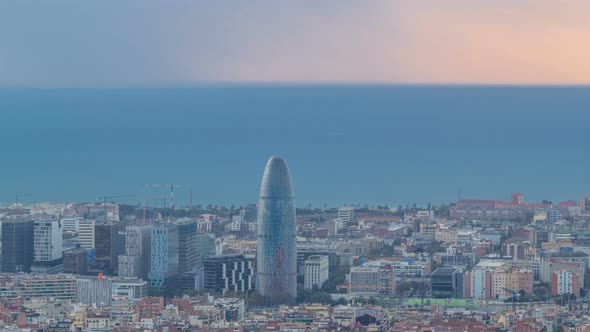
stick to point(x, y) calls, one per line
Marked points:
point(459, 196)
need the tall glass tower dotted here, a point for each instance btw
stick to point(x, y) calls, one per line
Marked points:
point(276, 255)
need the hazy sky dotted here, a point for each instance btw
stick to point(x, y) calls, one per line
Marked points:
point(143, 42)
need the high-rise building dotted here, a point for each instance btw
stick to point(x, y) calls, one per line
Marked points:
point(48, 257)
point(250, 213)
point(315, 271)
point(164, 274)
point(276, 258)
point(17, 246)
point(188, 251)
point(136, 260)
point(86, 234)
point(205, 247)
point(565, 282)
point(109, 243)
point(229, 273)
point(584, 205)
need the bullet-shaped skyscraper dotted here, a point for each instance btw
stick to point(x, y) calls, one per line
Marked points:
point(276, 256)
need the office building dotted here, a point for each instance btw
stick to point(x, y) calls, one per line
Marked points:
point(229, 273)
point(205, 247)
point(47, 247)
point(133, 289)
point(276, 259)
point(109, 243)
point(75, 261)
point(58, 286)
point(164, 274)
point(315, 271)
point(136, 260)
point(69, 224)
point(447, 283)
point(86, 234)
point(188, 247)
point(17, 246)
point(94, 291)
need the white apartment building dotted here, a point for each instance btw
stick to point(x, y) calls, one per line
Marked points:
point(316, 271)
point(69, 224)
point(47, 247)
point(346, 214)
point(86, 233)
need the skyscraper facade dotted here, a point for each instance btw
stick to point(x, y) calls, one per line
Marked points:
point(47, 247)
point(276, 255)
point(17, 246)
point(163, 275)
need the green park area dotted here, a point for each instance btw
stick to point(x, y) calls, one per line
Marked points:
point(441, 302)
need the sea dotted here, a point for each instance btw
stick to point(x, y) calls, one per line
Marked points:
point(344, 144)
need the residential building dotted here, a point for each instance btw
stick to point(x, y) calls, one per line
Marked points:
point(316, 271)
point(229, 273)
point(346, 215)
point(372, 281)
point(565, 282)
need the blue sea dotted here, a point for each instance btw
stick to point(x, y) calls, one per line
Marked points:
point(344, 144)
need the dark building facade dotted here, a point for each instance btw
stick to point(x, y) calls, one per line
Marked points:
point(446, 282)
point(229, 273)
point(17, 246)
point(75, 261)
point(188, 250)
point(276, 253)
point(109, 243)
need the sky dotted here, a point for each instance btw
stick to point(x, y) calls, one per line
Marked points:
point(71, 43)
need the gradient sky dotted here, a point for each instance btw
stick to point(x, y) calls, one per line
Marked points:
point(143, 42)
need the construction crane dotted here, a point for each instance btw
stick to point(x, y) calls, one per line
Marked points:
point(104, 200)
point(172, 186)
point(142, 198)
point(17, 198)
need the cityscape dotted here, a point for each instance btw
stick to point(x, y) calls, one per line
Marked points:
point(472, 265)
point(294, 166)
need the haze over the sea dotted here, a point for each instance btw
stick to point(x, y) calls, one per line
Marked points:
point(373, 144)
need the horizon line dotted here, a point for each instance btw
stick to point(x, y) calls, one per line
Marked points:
point(297, 84)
